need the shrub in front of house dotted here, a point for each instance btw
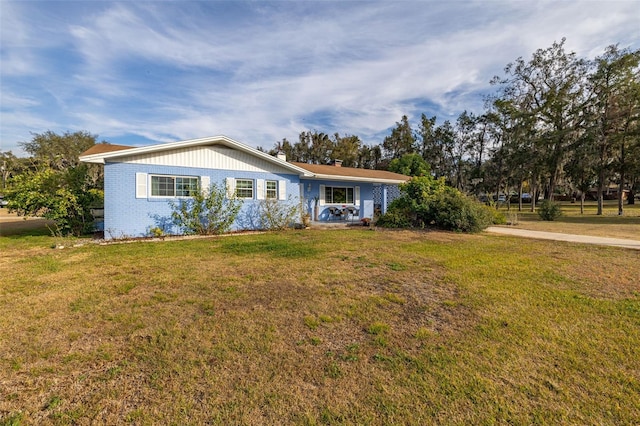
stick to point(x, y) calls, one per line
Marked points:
point(275, 215)
point(394, 218)
point(208, 212)
point(454, 211)
point(429, 202)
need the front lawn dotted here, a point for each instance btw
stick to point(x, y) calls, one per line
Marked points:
point(320, 327)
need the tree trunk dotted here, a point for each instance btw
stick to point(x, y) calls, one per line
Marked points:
point(520, 196)
point(600, 191)
point(621, 185)
point(553, 182)
point(621, 194)
point(534, 197)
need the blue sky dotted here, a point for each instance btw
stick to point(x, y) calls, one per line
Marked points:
point(138, 73)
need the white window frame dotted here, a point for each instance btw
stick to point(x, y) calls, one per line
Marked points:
point(328, 188)
point(324, 201)
point(271, 193)
point(175, 187)
point(252, 189)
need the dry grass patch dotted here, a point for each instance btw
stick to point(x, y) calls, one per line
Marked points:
point(319, 327)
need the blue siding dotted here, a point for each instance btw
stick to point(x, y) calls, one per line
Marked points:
point(128, 216)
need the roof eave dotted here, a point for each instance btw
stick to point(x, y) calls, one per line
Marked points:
point(222, 140)
point(319, 176)
point(95, 158)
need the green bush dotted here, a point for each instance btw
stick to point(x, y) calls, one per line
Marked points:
point(206, 212)
point(64, 196)
point(453, 211)
point(426, 201)
point(548, 210)
point(498, 218)
point(394, 219)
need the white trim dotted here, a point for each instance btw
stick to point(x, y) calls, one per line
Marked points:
point(353, 191)
point(356, 195)
point(205, 183)
point(230, 184)
point(253, 188)
point(321, 195)
point(282, 190)
point(266, 189)
point(261, 189)
point(356, 179)
point(174, 177)
point(141, 185)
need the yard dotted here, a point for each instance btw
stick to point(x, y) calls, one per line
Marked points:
point(319, 327)
point(572, 222)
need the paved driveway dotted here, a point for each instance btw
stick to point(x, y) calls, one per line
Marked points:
point(556, 236)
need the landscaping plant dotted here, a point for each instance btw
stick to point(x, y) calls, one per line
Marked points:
point(426, 201)
point(206, 212)
point(64, 196)
point(549, 210)
point(277, 215)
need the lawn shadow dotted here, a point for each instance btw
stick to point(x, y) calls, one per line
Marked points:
point(26, 228)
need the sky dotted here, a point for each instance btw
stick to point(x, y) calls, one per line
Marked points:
point(139, 73)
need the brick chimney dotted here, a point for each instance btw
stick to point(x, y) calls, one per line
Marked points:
point(337, 163)
point(281, 156)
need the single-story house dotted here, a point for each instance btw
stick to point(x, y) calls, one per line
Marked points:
point(139, 182)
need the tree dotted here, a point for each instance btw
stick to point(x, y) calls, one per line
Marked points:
point(59, 151)
point(445, 140)
point(582, 166)
point(370, 157)
point(286, 148)
point(11, 166)
point(613, 115)
point(59, 188)
point(410, 165)
point(66, 197)
point(550, 88)
point(479, 139)
point(347, 149)
point(401, 141)
point(319, 146)
point(464, 147)
point(429, 149)
point(515, 156)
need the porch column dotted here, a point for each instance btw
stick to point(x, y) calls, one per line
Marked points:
point(384, 199)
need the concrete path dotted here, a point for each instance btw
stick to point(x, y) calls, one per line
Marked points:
point(556, 236)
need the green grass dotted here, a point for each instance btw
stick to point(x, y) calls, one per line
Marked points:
point(320, 327)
